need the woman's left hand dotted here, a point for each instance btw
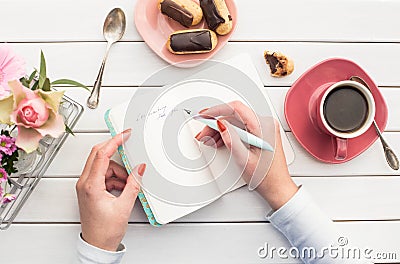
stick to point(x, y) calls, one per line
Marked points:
point(104, 217)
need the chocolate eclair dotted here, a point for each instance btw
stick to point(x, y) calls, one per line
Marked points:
point(192, 41)
point(186, 12)
point(217, 16)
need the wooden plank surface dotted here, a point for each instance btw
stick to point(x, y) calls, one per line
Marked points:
point(188, 243)
point(310, 20)
point(371, 162)
point(341, 198)
point(92, 121)
point(131, 63)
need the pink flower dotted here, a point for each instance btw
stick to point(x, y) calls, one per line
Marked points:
point(31, 111)
point(35, 113)
point(7, 145)
point(5, 197)
point(8, 197)
point(11, 68)
point(3, 175)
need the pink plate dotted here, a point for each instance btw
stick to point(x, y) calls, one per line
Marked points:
point(299, 115)
point(155, 29)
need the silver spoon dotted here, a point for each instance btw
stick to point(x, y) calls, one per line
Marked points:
point(389, 153)
point(113, 30)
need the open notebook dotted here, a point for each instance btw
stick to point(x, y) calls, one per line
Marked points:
point(161, 202)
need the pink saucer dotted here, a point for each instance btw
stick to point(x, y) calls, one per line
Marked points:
point(297, 105)
point(155, 29)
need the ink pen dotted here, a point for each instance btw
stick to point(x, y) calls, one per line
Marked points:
point(244, 135)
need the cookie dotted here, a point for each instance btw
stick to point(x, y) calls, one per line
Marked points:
point(217, 16)
point(186, 12)
point(279, 64)
point(192, 41)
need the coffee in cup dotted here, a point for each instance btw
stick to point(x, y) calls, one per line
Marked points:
point(346, 110)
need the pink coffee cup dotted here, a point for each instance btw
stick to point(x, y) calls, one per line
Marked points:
point(345, 110)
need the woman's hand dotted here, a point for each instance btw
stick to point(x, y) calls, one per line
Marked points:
point(104, 217)
point(277, 186)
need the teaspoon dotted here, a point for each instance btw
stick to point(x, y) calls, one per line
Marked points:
point(389, 153)
point(113, 30)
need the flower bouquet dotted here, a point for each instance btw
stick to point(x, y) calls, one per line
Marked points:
point(35, 120)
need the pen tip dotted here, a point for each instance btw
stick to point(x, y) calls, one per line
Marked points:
point(188, 111)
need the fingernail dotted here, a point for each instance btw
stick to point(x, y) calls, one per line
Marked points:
point(209, 142)
point(204, 139)
point(141, 169)
point(127, 133)
point(197, 136)
point(221, 126)
point(202, 111)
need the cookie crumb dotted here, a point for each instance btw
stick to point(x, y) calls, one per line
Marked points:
point(279, 64)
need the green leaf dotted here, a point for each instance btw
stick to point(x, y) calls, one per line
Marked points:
point(8, 163)
point(42, 74)
point(69, 130)
point(70, 82)
point(5, 133)
point(33, 74)
point(46, 85)
point(24, 82)
point(35, 86)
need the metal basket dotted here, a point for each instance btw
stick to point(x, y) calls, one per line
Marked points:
point(23, 183)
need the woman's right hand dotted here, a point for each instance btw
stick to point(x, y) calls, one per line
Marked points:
point(272, 181)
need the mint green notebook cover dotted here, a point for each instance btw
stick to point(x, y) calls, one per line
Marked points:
point(142, 197)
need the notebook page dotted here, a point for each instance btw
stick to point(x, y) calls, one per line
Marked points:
point(163, 212)
point(224, 170)
point(160, 166)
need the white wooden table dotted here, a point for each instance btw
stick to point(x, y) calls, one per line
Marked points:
point(362, 196)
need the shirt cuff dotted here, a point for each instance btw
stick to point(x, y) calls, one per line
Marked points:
point(294, 217)
point(90, 254)
point(295, 205)
point(302, 221)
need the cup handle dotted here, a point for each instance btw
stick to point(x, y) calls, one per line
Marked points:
point(341, 148)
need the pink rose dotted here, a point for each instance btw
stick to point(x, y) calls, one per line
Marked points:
point(34, 112)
